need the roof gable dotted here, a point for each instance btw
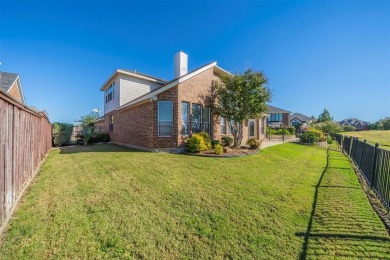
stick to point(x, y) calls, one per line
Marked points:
point(168, 85)
point(300, 117)
point(276, 110)
point(8, 81)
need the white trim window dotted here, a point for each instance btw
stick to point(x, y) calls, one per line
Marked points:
point(207, 117)
point(110, 92)
point(196, 118)
point(223, 126)
point(165, 118)
point(185, 118)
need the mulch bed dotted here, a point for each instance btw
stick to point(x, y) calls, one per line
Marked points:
point(232, 152)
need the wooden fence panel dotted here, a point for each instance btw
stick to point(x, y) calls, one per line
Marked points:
point(25, 139)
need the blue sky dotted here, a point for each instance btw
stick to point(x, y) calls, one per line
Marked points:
point(316, 54)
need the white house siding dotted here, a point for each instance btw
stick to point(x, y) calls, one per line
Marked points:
point(114, 103)
point(132, 88)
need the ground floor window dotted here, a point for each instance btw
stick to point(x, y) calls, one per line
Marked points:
point(196, 118)
point(251, 128)
point(185, 118)
point(223, 126)
point(165, 118)
point(207, 120)
point(111, 123)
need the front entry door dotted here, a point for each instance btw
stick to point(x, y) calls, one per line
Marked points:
point(252, 129)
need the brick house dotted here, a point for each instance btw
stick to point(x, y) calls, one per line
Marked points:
point(10, 84)
point(278, 117)
point(146, 112)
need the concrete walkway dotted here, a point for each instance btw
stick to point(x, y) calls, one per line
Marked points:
point(267, 143)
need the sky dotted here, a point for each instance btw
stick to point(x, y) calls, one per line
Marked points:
point(316, 54)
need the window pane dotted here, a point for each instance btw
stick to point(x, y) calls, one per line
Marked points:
point(165, 118)
point(196, 118)
point(165, 111)
point(223, 126)
point(251, 128)
point(185, 115)
point(207, 120)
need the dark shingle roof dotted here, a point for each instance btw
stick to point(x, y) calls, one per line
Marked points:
point(276, 110)
point(7, 80)
point(301, 117)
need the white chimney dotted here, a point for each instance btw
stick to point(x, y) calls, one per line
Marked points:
point(181, 64)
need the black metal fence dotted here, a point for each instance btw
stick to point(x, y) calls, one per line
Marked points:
point(373, 162)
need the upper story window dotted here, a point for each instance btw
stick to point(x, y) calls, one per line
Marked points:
point(109, 94)
point(165, 118)
point(275, 117)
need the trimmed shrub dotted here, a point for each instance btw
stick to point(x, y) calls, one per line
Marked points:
point(218, 149)
point(253, 143)
point(227, 140)
point(349, 128)
point(215, 142)
point(206, 138)
point(62, 133)
point(312, 136)
point(290, 130)
point(196, 143)
point(329, 140)
point(101, 138)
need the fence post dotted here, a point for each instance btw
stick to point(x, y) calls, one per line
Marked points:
point(361, 157)
point(374, 165)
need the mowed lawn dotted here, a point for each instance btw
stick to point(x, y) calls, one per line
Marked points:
point(107, 201)
point(373, 137)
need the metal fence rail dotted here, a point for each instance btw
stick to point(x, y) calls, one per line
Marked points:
point(373, 162)
point(25, 138)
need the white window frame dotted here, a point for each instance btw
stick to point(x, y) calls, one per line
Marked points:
point(158, 118)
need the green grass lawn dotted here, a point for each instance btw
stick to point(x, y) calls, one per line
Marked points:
point(107, 201)
point(373, 136)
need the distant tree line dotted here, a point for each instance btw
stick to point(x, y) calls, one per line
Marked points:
point(382, 124)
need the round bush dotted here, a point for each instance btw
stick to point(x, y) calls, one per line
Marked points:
point(253, 143)
point(227, 140)
point(206, 138)
point(196, 143)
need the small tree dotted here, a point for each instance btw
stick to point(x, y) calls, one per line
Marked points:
point(240, 97)
point(324, 116)
point(88, 126)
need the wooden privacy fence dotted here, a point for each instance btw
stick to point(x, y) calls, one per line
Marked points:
point(373, 162)
point(25, 139)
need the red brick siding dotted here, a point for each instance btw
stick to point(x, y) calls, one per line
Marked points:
point(166, 142)
point(133, 126)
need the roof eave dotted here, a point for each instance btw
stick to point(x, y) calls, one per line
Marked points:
point(118, 71)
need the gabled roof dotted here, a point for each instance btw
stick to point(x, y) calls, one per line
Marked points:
point(276, 110)
point(172, 84)
point(301, 117)
point(7, 80)
point(132, 73)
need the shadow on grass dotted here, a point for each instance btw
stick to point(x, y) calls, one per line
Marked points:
point(98, 148)
point(337, 226)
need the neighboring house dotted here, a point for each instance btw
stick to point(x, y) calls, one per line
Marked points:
point(143, 111)
point(278, 117)
point(358, 124)
point(298, 119)
point(10, 84)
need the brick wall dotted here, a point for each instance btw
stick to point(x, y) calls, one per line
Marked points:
point(132, 126)
point(286, 119)
point(14, 92)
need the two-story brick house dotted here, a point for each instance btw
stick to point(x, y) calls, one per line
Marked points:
point(142, 111)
